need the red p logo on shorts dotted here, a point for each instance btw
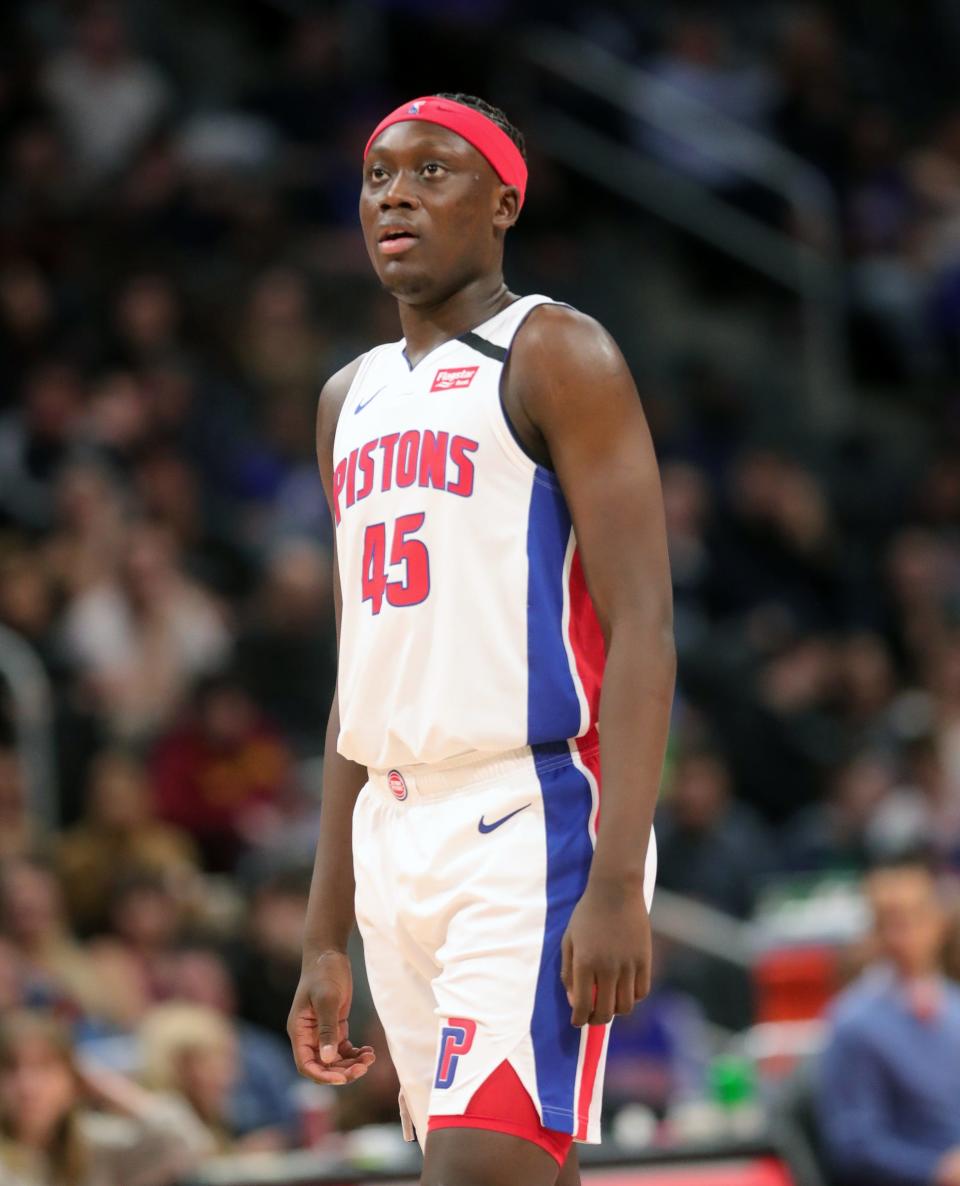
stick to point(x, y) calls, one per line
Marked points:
point(456, 1038)
point(397, 786)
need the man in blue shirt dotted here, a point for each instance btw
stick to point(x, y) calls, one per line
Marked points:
point(889, 1090)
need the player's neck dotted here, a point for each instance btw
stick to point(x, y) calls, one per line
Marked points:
point(426, 326)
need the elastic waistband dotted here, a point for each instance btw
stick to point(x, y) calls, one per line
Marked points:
point(429, 781)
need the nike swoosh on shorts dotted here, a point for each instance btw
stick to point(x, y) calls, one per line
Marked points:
point(485, 827)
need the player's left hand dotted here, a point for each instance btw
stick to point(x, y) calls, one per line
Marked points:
point(606, 951)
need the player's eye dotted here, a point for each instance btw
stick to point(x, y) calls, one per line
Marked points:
point(376, 172)
point(433, 169)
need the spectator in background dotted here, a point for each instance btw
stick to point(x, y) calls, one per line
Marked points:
point(147, 319)
point(835, 835)
point(865, 688)
point(140, 639)
point(106, 99)
point(50, 1134)
point(117, 421)
point(136, 956)
point(943, 682)
point(286, 655)
point(701, 71)
point(169, 489)
point(119, 837)
point(889, 1076)
point(191, 1051)
point(12, 988)
point(222, 771)
point(56, 970)
point(309, 77)
point(811, 113)
point(935, 178)
point(936, 492)
point(713, 848)
point(27, 599)
point(27, 323)
point(888, 287)
point(780, 728)
point(85, 547)
point(687, 508)
point(36, 440)
point(280, 349)
point(921, 580)
point(922, 812)
point(778, 542)
point(263, 1091)
point(20, 832)
point(267, 961)
point(709, 846)
point(38, 219)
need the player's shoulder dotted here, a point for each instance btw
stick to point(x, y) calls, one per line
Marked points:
point(564, 363)
point(855, 1010)
point(337, 387)
point(560, 337)
point(332, 396)
point(335, 390)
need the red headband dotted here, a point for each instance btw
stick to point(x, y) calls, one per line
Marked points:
point(477, 129)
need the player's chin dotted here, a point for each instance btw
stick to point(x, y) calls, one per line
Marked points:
point(405, 280)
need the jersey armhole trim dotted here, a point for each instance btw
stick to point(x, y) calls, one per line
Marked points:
point(514, 436)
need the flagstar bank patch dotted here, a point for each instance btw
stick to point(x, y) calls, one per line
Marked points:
point(449, 377)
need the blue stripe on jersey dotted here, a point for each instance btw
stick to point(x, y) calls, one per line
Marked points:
point(567, 804)
point(553, 710)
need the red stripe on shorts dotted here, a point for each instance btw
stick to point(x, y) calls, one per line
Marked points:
point(502, 1104)
point(588, 1077)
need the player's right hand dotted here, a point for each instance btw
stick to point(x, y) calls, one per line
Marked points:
point(317, 1025)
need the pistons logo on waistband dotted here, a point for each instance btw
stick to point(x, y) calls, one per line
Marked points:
point(449, 377)
point(397, 786)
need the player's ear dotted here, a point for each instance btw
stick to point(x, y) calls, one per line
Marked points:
point(508, 207)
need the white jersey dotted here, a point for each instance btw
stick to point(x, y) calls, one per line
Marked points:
point(466, 624)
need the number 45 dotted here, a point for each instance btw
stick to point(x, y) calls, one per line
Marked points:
point(412, 553)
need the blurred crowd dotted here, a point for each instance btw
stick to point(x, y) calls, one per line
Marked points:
point(864, 99)
point(179, 272)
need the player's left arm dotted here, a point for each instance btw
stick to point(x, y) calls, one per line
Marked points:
point(572, 382)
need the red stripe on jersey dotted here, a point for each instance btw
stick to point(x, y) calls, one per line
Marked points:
point(588, 748)
point(586, 637)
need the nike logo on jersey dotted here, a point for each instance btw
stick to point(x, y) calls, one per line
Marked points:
point(360, 407)
point(485, 827)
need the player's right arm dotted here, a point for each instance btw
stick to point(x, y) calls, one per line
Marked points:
point(317, 1024)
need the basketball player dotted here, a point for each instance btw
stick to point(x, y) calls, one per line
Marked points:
point(504, 622)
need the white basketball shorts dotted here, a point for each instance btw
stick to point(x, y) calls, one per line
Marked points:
point(467, 874)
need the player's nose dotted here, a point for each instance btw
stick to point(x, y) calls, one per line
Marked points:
point(399, 194)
